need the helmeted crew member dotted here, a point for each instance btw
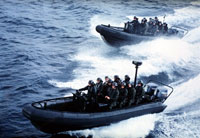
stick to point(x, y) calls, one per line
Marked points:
point(105, 85)
point(154, 29)
point(117, 80)
point(160, 28)
point(135, 23)
point(92, 91)
point(131, 94)
point(150, 25)
point(99, 87)
point(127, 79)
point(123, 92)
point(165, 28)
point(112, 96)
point(106, 79)
point(156, 20)
point(143, 26)
point(139, 92)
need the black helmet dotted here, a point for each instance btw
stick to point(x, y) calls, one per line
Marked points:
point(126, 77)
point(91, 82)
point(140, 82)
point(114, 84)
point(156, 18)
point(106, 77)
point(99, 79)
point(134, 17)
point(109, 81)
point(116, 77)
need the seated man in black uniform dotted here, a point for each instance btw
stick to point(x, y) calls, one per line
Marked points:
point(127, 79)
point(131, 94)
point(139, 92)
point(160, 28)
point(117, 80)
point(123, 92)
point(106, 84)
point(112, 96)
point(165, 28)
point(99, 87)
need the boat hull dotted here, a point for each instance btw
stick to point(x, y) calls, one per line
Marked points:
point(117, 37)
point(50, 121)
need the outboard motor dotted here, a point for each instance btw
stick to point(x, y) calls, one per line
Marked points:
point(160, 93)
point(156, 92)
point(150, 89)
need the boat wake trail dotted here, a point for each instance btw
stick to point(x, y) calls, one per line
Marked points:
point(185, 94)
point(134, 127)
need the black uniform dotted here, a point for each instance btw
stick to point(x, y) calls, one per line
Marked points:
point(139, 94)
point(154, 29)
point(113, 94)
point(150, 26)
point(131, 95)
point(105, 88)
point(92, 93)
point(165, 28)
point(123, 92)
point(127, 80)
point(135, 25)
point(118, 81)
point(100, 93)
point(160, 28)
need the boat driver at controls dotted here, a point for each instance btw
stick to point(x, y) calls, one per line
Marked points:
point(91, 95)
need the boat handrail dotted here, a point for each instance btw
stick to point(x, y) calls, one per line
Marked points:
point(172, 89)
point(45, 102)
point(112, 26)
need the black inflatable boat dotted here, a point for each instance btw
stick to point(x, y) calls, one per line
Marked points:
point(46, 116)
point(61, 114)
point(118, 36)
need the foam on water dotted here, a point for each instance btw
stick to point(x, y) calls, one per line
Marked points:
point(193, 36)
point(160, 55)
point(133, 127)
point(188, 16)
point(181, 125)
point(184, 94)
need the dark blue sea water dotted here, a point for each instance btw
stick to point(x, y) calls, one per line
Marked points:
point(49, 48)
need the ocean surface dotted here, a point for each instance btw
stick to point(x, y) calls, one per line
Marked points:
point(48, 48)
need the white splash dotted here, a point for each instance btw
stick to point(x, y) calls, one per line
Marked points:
point(185, 93)
point(131, 128)
point(189, 16)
